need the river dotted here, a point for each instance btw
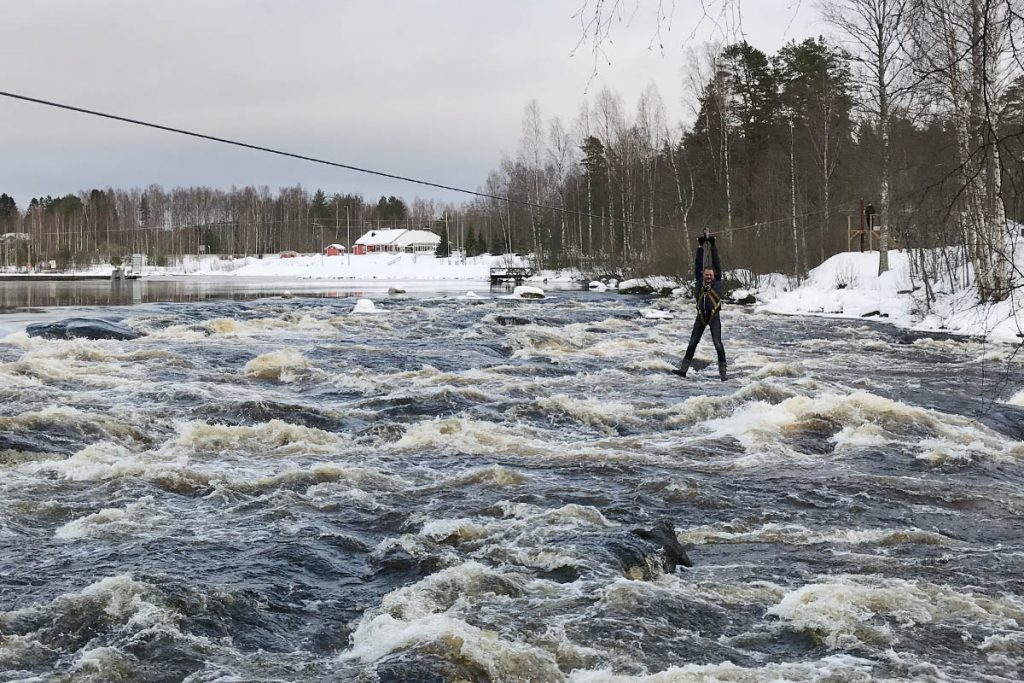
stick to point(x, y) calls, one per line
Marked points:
point(278, 489)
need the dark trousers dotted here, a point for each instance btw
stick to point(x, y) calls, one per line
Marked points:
point(716, 336)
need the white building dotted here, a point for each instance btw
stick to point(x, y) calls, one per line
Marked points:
point(396, 240)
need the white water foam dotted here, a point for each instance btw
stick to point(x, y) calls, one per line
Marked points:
point(846, 611)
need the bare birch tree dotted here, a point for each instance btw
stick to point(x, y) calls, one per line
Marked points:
point(963, 48)
point(875, 31)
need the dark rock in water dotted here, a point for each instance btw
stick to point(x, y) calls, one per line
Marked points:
point(564, 574)
point(255, 412)
point(871, 314)
point(399, 561)
point(82, 328)
point(418, 670)
point(664, 535)
point(745, 301)
point(510, 320)
point(644, 553)
point(699, 364)
point(910, 336)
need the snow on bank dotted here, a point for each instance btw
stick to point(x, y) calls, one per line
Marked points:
point(386, 267)
point(397, 267)
point(847, 285)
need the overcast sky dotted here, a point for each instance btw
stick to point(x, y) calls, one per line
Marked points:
point(434, 90)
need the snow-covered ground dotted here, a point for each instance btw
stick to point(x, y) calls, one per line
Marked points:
point(396, 267)
point(847, 285)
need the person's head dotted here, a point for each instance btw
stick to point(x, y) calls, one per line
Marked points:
point(709, 274)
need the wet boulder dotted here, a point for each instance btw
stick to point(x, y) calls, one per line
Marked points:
point(527, 292)
point(643, 553)
point(83, 328)
point(663, 535)
point(742, 297)
point(506, 320)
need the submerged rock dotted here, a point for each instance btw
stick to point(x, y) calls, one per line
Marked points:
point(507, 320)
point(82, 328)
point(644, 553)
point(663, 534)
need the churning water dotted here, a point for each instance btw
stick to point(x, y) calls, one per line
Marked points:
point(447, 490)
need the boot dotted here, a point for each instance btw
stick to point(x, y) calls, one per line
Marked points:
point(683, 368)
point(721, 371)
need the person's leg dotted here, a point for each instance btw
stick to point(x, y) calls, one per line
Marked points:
point(698, 331)
point(695, 335)
point(716, 337)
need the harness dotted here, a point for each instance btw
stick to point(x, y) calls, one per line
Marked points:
point(708, 292)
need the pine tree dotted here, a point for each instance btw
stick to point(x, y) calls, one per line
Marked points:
point(8, 207)
point(320, 209)
point(444, 248)
point(472, 246)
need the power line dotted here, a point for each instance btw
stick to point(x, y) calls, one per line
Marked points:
point(303, 157)
point(383, 174)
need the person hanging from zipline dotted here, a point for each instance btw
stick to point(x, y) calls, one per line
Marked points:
point(708, 290)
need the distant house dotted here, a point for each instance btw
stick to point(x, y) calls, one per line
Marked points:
point(289, 254)
point(396, 241)
point(334, 250)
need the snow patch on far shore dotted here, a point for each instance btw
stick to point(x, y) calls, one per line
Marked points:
point(848, 285)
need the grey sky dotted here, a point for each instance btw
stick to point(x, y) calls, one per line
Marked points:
point(426, 89)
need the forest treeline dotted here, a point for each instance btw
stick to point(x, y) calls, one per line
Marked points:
point(919, 109)
point(101, 226)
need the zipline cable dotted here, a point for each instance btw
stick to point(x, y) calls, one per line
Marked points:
point(358, 169)
point(303, 157)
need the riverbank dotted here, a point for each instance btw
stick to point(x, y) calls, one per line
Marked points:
point(847, 285)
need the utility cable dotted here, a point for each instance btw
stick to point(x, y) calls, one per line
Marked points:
point(383, 174)
point(303, 157)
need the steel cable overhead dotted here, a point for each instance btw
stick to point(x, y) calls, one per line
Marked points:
point(369, 171)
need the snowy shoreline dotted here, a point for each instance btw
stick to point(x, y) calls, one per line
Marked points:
point(845, 286)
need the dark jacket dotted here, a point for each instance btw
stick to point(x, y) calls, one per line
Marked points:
point(708, 298)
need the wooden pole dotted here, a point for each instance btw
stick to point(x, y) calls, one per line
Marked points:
point(862, 225)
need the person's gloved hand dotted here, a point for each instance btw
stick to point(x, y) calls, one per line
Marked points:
point(700, 240)
point(711, 239)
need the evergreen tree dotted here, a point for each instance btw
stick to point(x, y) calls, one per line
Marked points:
point(595, 186)
point(319, 208)
point(392, 209)
point(472, 246)
point(444, 247)
point(8, 208)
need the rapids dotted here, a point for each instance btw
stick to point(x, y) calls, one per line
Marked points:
point(286, 490)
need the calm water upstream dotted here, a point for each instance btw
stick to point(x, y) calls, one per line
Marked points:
point(280, 490)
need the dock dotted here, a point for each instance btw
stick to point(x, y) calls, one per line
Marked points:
point(509, 274)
